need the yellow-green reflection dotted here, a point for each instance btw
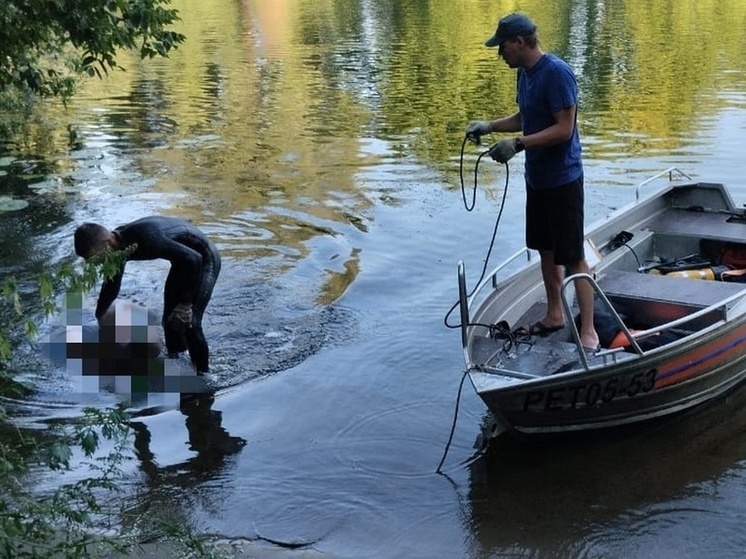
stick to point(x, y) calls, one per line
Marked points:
point(265, 116)
point(273, 80)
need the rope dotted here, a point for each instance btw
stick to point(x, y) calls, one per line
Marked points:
point(498, 331)
point(470, 208)
point(453, 424)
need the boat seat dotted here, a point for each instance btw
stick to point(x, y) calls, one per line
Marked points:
point(650, 299)
point(701, 225)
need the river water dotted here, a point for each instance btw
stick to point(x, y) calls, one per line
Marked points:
point(318, 143)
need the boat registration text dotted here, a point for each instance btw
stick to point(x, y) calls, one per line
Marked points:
point(590, 394)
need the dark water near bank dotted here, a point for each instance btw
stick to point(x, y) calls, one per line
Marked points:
point(317, 142)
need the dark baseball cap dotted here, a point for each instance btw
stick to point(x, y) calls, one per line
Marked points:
point(512, 25)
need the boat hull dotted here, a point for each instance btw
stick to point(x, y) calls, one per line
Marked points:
point(662, 384)
point(549, 387)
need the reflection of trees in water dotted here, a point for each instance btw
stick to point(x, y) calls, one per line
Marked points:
point(563, 494)
point(29, 241)
point(23, 245)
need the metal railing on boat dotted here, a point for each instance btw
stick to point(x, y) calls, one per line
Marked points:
point(670, 172)
point(632, 338)
point(466, 300)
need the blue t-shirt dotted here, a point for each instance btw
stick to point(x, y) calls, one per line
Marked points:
point(548, 87)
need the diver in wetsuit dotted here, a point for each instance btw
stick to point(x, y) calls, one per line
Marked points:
point(195, 265)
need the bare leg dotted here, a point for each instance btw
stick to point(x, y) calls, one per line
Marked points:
point(552, 276)
point(584, 293)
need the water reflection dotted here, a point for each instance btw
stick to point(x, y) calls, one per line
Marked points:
point(26, 248)
point(198, 476)
point(605, 494)
point(317, 141)
point(208, 440)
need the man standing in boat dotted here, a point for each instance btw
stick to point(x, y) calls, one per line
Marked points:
point(547, 97)
point(195, 265)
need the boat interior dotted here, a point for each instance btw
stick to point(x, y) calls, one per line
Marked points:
point(682, 260)
point(668, 267)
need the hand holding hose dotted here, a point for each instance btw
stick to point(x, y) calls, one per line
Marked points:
point(478, 128)
point(503, 151)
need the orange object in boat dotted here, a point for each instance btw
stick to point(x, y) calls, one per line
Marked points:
point(620, 340)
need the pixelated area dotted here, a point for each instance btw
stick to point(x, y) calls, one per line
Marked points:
point(122, 355)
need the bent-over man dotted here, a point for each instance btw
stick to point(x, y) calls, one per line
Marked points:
point(195, 265)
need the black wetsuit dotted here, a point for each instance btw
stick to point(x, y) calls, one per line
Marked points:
point(195, 265)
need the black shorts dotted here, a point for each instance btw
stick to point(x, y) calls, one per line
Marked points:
point(554, 221)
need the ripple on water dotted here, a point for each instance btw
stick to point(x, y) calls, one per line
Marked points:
point(295, 497)
point(684, 528)
point(378, 444)
point(256, 328)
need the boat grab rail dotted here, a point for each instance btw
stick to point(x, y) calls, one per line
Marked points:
point(491, 278)
point(465, 300)
point(504, 263)
point(631, 337)
point(670, 172)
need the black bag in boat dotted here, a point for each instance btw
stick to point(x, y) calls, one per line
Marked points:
point(610, 335)
point(691, 262)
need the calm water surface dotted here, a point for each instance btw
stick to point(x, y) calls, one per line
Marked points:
point(317, 142)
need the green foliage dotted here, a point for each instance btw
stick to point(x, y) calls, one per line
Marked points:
point(66, 522)
point(66, 279)
point(45, 44)
point(74, 520)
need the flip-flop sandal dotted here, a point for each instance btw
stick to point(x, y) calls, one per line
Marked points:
point(538, 328)
point(591, 351)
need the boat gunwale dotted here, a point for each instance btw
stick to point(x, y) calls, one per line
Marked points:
point(687, 372)
point(691, 344)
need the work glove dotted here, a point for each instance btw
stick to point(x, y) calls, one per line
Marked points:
point(181, 317)
point(477, 128)
point(503, 151)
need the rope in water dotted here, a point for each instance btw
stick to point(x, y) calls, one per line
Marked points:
point(469, 207)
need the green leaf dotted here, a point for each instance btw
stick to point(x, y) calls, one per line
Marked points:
point(45, 286)
point(86, 34)
point(89, 442)
point(59, 455)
